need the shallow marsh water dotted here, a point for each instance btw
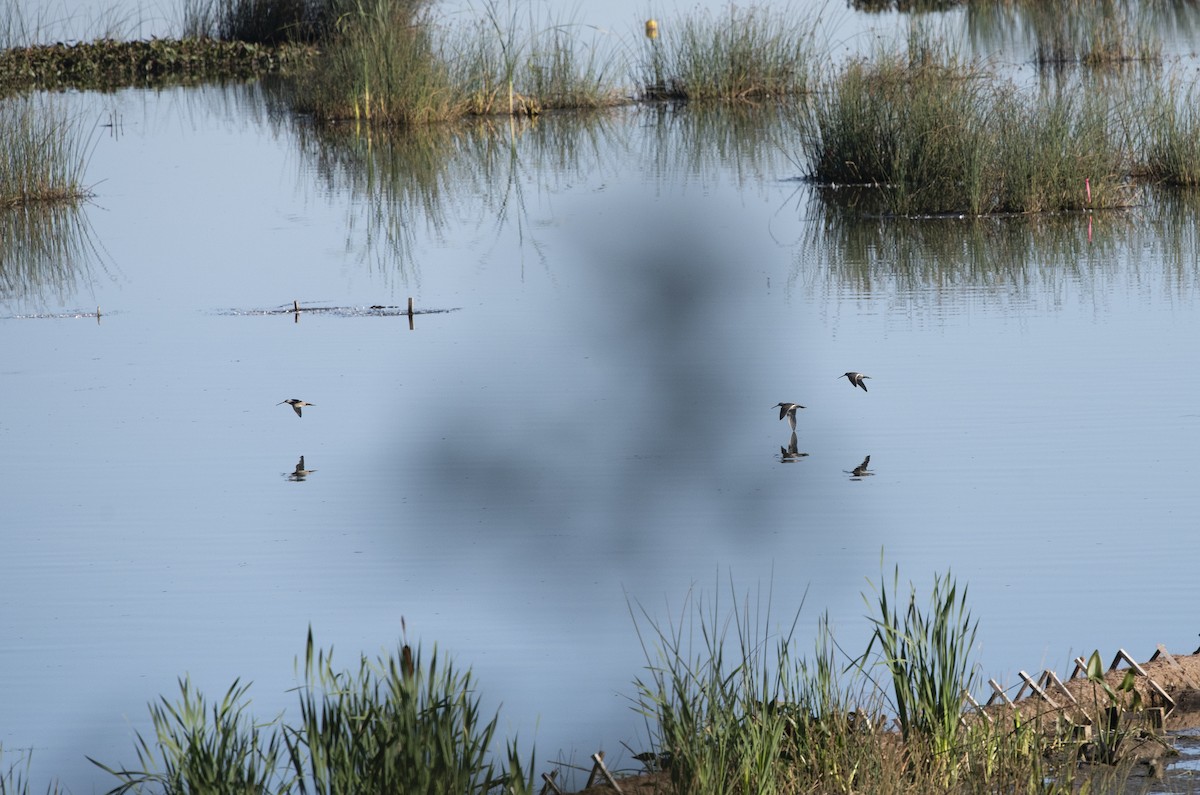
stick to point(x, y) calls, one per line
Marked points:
point(589, 427)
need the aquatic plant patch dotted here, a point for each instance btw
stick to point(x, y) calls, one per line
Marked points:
point(105, 63)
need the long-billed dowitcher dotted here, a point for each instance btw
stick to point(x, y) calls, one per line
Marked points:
point(856, 379)
point(788, 410)
point(295, 404)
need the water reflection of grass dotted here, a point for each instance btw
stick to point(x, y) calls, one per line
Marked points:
point(44, 249)
point(406, 183)
point(902, 255)
point(1102, 34)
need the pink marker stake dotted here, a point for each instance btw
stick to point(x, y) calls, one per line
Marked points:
point(1087, 182)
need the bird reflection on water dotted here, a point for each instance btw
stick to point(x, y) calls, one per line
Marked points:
point(860, 471)
point(300, 473)
point(791, 453)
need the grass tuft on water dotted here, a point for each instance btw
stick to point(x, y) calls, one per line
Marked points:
point(749, 53)
point(1170, 134)
point(43, 154)
point(381, 67)
point(506, 64)
point(936, 136)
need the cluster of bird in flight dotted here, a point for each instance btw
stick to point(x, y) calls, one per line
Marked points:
point(785, 409)
point(792, 451)
point(789, 409)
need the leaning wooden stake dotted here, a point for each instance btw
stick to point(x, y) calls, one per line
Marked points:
point(599, 767)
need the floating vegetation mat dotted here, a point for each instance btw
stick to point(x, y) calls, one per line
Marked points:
point(375, 310)
point(105, 63)
point(72, 315)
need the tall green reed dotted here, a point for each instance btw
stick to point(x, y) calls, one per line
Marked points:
point(719, 694)
point(43, 154)
point(397, 724)
point(750, 53)
point(1170, 133)
point(513, 63)
point(381, 66)
point(926, 654)
point(14, 781)
point(935, 136)
point(199, 747)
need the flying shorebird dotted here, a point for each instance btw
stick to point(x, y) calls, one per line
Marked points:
point(788, 410)
point(295, 404)
point(856, 379)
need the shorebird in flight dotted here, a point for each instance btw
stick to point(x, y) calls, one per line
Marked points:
point(856, 379)
point(295, 404)
point(788, 410)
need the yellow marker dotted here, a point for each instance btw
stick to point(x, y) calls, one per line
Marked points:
point(651, 29)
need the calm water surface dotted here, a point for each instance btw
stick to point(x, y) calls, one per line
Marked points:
point(589, 427)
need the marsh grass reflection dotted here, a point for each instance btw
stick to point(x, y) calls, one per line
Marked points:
point(46, 251)
point(996, 259)
point(1094, 34)
point(420, 180)
point(688, 142)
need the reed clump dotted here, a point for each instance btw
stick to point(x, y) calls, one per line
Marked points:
point(749, 53)
point(506, 64)
point(200, 746)
point(732, 709)
point(381, 66)
point(1170, 134)
point(396, 724)
point(43, 154)
point(937, 136)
